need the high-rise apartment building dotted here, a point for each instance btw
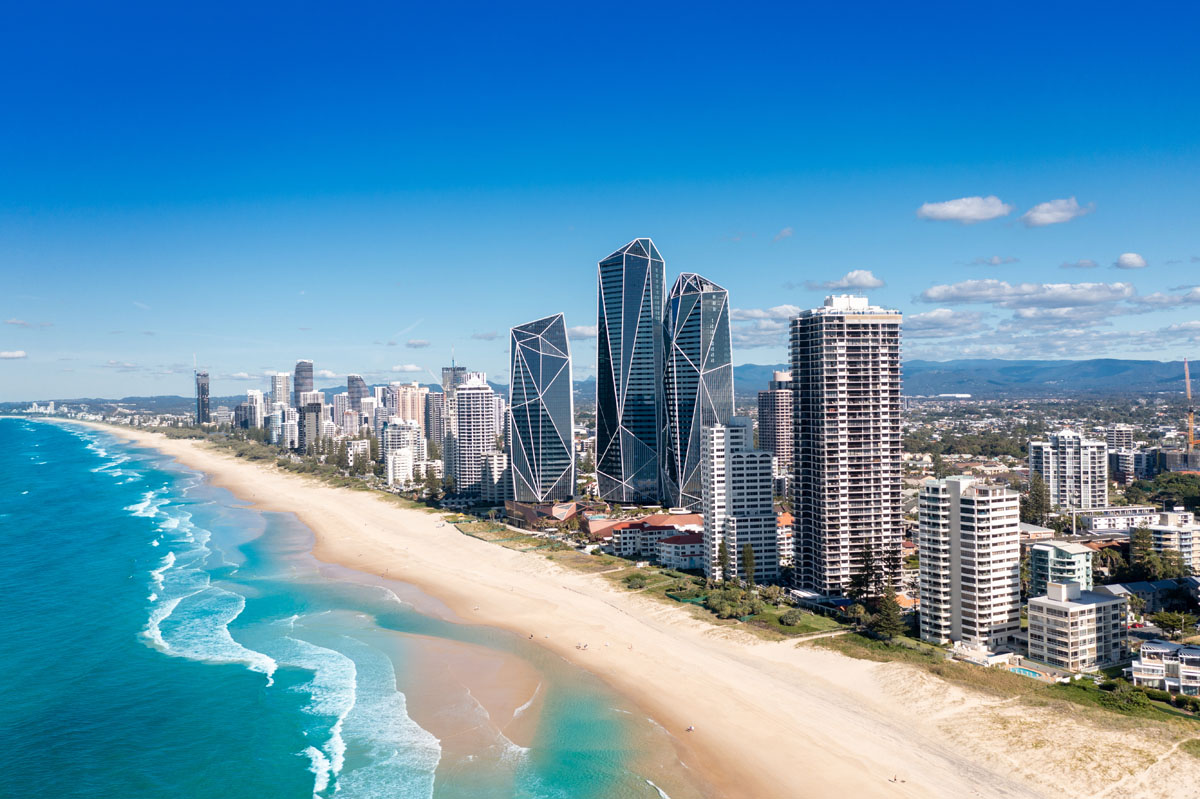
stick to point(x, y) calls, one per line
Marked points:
point(736, 483)
point(846, 415)
point(302, 382)
point(309, 421)
point(1075, 469)
point(697, 382)
point(629, 367)
point(1118, 437)
point(496, 482)
point(1059, 562)
point(256, 408)
point(775, 433)
point(356, 387)
point(475, 432)
point(435, 424)
point(542, 412)
point(280, 388)
point(203, 415)
point(407, 401)
point(969, 543)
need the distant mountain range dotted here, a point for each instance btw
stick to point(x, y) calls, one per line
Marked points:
point(987, 378)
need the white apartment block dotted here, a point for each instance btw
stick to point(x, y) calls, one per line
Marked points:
point(257, 409)
point(475, 432)
point(401, 434)
point(775, 428)
point(496, 484)
point(1077, 630)
point(1118, 437)
point(846, 415)
point(281, 391)
point(1059, 562)
point(358, 449)
point(341, 408)
point(1117, 518)
point(1075, 469)
point(1177, 531)
point(736, 483)
point(969, 541)
point(1168, 667)
point(407, 401)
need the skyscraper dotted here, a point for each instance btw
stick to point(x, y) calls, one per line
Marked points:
point(629, 363)
point(202, 413)
point(542, 412)
point(697, 382)
point(739, 508)
point(356, 387)
point(475, 432)
point(303, 382)
point(279, 388)
point(775, 431)
point(435, 423)
point(1075, 469)
point(846, 409)
point(452, 376)
point(970, 562)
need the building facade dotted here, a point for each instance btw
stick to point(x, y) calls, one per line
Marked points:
point(1168, 666)
point(541, 414)
point(1059, 562)
point(496, 482)
point(775, 433)
point(697, 382)
point(203, 414)
point(1077, 630)
point(969, 542)
point(739, 508)
point(1074, 469)
point(846, 417)
point(281, 391)
point(302, 381)
point(356, 389)
point(629, 365)
point(475, 432)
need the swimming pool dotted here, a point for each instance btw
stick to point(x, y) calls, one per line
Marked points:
point(1037, 675)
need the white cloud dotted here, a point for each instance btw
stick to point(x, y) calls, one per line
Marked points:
point(243, 376)
point(123, 366)
point(1130, 260)
point(995, 260)
point(326, 373)
point(784, 312)
point(141, 305)
point(786, 233)
point(941, 323)
point(1160, 300)
point(16, 322)
point(1082, 263)
point(1009, 295)
point(967, 210)
point(854, 279)
point(490, 335)
point(12, 355)
point(582, 331)
point(1055, 212)
point(407, 367)
point(760, 332)
point(416, 343)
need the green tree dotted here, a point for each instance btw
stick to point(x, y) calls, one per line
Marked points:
point(1173, 566)
point(858, 613)
point(888, 621)
point(748, 564)
point(723, 561)
point(1035, 505)
point(1173, 623)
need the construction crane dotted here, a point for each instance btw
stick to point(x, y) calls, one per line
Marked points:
point(1191, 409)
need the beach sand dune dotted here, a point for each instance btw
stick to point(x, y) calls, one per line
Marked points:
point(772, 719)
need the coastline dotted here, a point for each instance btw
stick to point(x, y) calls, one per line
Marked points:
point(771, 718)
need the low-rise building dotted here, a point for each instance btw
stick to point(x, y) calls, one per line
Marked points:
point(682, 551)
point(1077, 630)
point(1168, 666)
point(1117, 517)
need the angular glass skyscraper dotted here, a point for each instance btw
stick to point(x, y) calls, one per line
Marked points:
point(629, 362)
point(541, 412)
point(356, 387)
point(697, 382)
point(202, 412)
point(302, 382)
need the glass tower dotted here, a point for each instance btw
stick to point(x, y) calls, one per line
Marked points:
point(202, 412)
point(303, 381)
point(629, 361)
point(541, 412)
point(697, 382)
point(356, 387)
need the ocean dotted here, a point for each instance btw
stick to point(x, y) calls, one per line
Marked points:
point(160, 639)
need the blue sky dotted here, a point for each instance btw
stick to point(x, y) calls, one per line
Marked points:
point(371, 187)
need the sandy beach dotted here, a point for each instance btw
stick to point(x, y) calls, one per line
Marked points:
point(772, 719)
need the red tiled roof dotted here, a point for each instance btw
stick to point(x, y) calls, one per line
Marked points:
point(688, 538)
point(673, 519)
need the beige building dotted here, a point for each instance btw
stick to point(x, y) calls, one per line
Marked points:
point(1077, 630)
point(1168, 667)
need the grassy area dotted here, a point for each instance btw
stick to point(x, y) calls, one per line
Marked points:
point(809, 622)
point(583, 562)
point(1191, 746)
point(1083, 692)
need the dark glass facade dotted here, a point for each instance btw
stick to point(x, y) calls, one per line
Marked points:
point(203, 415)
point(302, 381)
point(541, 412)
point(697, 382)
point(357, 389)
point(629, 363)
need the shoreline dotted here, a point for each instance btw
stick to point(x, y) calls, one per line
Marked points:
point(772, 719)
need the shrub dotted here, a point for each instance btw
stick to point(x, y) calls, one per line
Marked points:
point(635, 581)
point(792, 617)
point(1157, 695)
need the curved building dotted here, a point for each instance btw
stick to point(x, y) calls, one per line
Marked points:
point(356, 387)
point(302, 383)
point(629, 359)
point(541, 412)
point(697, 382)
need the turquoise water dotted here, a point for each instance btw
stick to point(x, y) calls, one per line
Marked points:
point(161, 641)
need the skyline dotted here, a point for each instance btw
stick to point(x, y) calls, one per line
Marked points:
point(404, 196)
